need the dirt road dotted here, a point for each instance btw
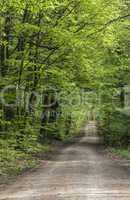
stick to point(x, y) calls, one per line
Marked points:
point(82, 171)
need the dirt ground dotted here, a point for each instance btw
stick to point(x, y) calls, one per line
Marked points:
point(81, 171)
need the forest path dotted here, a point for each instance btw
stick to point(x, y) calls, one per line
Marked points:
point(82, 171)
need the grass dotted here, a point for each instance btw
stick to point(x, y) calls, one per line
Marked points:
point(122, 152)
point(15, 162)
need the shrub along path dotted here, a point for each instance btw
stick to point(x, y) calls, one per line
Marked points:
point(82, 171)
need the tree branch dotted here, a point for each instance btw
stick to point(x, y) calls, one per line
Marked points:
point(108, 24)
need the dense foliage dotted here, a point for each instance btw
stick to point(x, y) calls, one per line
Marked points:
point(52, 55)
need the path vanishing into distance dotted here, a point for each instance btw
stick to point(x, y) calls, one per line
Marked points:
point(81, 171)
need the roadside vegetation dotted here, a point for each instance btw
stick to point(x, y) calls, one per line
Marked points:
point(122, 152)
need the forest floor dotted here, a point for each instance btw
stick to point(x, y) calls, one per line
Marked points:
point(81, 171)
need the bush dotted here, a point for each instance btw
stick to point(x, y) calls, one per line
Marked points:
point(117, 131)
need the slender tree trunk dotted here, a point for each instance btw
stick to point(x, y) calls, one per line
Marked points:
point(4, 48)
point(21, 48)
